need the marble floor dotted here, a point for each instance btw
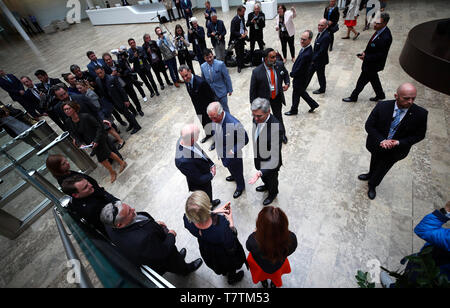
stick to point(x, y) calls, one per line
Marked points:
point(339, 229)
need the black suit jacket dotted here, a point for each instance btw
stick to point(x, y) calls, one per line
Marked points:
point(261, 22)
point(221, 30)
point(13, 88)
point(235, 28)
point(52, 82)
point(145, 243)
point(334, 17)
point(320, 52)
point(300, 69)
point(196, 169)
point(267, 149)
point(411, 129)
point(259, 83)
point(199, 35)
point(114, 89)
point(376, 52)
point(201, 95)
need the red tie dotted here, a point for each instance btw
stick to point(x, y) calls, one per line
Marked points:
point(371, 39)
point(272, 80)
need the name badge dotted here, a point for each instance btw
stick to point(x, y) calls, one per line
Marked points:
point(372, 45)
point(140, 62)
point(272, 88)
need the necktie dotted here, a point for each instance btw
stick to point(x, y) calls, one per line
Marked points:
point(394, 124)
point(318, 35)
point(7, 78)
point(189, 87)
point(272, 81)
point(373, 37)
point(258, 130)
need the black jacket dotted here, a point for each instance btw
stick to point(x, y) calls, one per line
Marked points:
point(411, 129)
point(201, 95)
point(261, 22)
point(235, 28)
point(221, 31)
point(114, 89)
point(197, 38)
point(320, 52)
point(376, 52)
point(13, 88)
point(154, 49)
point(87, 130)
point(334, 16)
point(259, 84)
point(300, 69)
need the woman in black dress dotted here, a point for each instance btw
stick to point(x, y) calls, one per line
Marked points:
point(59, 167)
point(272, 242)
point(217, 236)
point(86, 130)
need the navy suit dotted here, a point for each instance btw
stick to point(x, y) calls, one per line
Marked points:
point(411, 130)
point(197, 169)
point(231, 136)
point(221, 31)
point(201, 95)
point(13, 87)
point(301, 74)
point(92, 65)
point(187, 5)
point(320, 58)
point(33, 103)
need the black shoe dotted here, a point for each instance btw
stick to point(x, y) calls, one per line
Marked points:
point(162, 87)
point(183, 252)
point(268, 201)
point(212, 147)
point(285, 140)
point(157, 93)
point(130, 127)
point(232, 279)
point(356, 36)
point(376, 99)
point(371, 193)
point(289, 113)
point(141, 113)
point(170, 84)
point(135, 130)
point(195, 265)
point(205, 139)
point(261, 188)
point(152, 95)
point(265, 284)
point(319, 91)
point(349, 100)
point(215, 203)
point(237, 194)
point(312, 109)
point(272, 285)
point(364, 177)
point(239, 70)
point(331, 48)
point(230, 178)
point(121, 145)
point(123, 123)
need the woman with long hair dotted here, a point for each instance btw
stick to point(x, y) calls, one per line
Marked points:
point(269, 247)
point(59, 167)
point(87, 131)
point(181, 42)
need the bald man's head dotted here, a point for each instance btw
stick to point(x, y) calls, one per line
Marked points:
point(189, 134)
point(323, 24)
point(406, 94)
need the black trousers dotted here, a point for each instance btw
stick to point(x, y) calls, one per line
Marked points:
point(284, 42)
point(137, 84)
point(270, 180)
point(121, 108)
point(320, 70)
point(132, 94)
point(159, 68)
point(171, 15)
point(254, 39)
point(185, 58)
point(180, 11)
point(236, 168)
point(277, 105)
point(363, 80)
point(331, 40)
point(239, 48)
point(207, 188)
point(147, 76)
point(55, 117)
point(380, 164)
point(299, 91)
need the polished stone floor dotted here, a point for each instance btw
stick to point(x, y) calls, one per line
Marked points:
point(339, 229)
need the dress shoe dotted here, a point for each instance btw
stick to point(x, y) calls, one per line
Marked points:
point(145, 99)
point(312, 109)
point(349, 100)
point(371, 193)
point(239, 69)
point(345, 37)
point(121, 145)
point(195, 265)
point(268, 200)
point(215, 203)
point(237, 194)
point(376, 99)
point(157, 93)
point(235, 278)
point(261, 188)
point(285, 140)
point(289, 113)
point(152, 95)
point(364, 177)
point(356, 36)
point(183, 252)
point(162, 87)
point(230, 178)
point(123, 123)
point(272, 285)
point(170, 84)
point(205, 139)
point(319, 91)
point(212, 147)
point(135, 130)
point(141, 113)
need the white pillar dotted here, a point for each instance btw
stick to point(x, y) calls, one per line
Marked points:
point(225, 6)
point(13, 20)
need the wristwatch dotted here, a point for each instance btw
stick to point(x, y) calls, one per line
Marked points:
point(444, 212)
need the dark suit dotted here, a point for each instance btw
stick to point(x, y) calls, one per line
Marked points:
point(142, 67)
point(231, 136)
point(33, 102)
point(260, 87)
point(256, 35)
point(220, 30)
point(267, 151)
point(301, 74)
point(186, 5)
point(374, 60)
point(411, 130)
point(92, 65)
point(13, 87)
point(197, 38)
point(320, 58)
point(196, 168)
point(156, 61)
point(334, 18)
point(201, 95)
point(235, 35)
point(146, 243)
point(52, 107)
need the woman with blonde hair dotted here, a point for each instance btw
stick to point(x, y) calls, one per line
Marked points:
point(216, 234)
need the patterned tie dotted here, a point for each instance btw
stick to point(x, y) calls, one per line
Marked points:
point(7, 78)
point(373, 36)
point(394, 124)
point(272, 81)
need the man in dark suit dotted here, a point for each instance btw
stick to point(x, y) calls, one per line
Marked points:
point(201, 95)
point(331, 14)
point(186, 5)
point(374, 58)
point(393, 127)
point(320, 56)
point(301, 74)
point(94, 63)
point(196, 35)
point(155, 59)
point(230, 137)
point(141, 66)
point(14, 87)
point(267, 142)
point(239, 34)
point(145, 241)
point(110, 89)
point(217, 31)
point(193, 162)
point(256, 21)
point(32, 97)
point(267, 82)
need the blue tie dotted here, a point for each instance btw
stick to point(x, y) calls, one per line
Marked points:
point(394, 124)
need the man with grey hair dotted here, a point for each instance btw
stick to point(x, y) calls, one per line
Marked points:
point(230, 137)
point(267, 142)
point(145, 241)
point(320, 55)
point(216, 31)
point(256, 21)
point(193, 162)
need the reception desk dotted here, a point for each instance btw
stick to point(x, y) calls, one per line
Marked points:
point(269, 8)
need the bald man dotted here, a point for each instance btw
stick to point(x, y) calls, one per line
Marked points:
point(320, 55)
point(393, 127)
point(193, 162)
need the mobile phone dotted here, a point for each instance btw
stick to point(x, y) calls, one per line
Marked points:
point(359, 54)
point(86, 146)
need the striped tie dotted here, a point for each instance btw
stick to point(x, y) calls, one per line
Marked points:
point(394, 124)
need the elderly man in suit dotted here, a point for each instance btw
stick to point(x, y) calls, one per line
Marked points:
point(230, 137)
point(239, 34)
point(320, 55)
point(201, 95)
point(267, 82)
point(216, 31)
point(145, 241)
point(267, 142)
point(301, 74)
point(393, 127)
point(193, 162)
point(216, 74)
point(374, 58)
